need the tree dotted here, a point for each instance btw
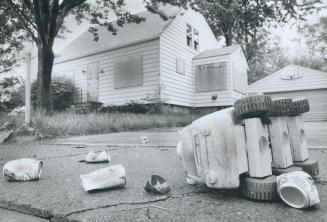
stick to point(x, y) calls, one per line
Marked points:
point(243, 20)
point(267, 57)
point(316, 39)
point(42, 20)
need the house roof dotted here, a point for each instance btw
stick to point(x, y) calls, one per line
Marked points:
point(130, 34)
point(291, 78)
point(218, 52)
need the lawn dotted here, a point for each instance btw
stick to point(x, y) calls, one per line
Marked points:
point(69, 124)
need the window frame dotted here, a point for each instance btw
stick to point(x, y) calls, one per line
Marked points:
point(128, 60)
point(224, 76)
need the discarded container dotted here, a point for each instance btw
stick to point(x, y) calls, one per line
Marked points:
point(157, 185)
point(144, 139)
point(110, 177)
point(297, 189)
point(93, 157)
point(22, 170)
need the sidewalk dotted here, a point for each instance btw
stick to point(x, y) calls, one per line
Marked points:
point(59, 196)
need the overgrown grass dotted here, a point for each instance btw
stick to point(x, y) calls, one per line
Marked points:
point(65, 124)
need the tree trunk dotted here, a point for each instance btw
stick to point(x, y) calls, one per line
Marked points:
point(45, 64)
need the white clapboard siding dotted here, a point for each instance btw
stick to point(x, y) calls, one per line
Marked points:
point(309, 79)
point(178, 89)
point(75, 70)
point(224, 97)
point(317, 100)
point(239, 69)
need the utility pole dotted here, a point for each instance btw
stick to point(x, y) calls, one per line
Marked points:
point(28, 89)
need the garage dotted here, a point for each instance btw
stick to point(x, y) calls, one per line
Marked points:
point(297, 82)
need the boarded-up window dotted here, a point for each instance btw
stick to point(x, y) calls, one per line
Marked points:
point(211, 77)
point(180, 65)
point(128, 72)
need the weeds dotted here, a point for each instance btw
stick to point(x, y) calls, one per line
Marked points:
point(64, 124)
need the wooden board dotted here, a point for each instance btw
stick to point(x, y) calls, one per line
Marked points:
point(297, 134)
point(259, 153)
point(240, 143)
point(280, 142)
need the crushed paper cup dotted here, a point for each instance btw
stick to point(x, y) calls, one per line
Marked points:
point(110, 177)
point(144, 139)
point(22, 170)
point(93, 157)
point(157, 185)
point(297, 189)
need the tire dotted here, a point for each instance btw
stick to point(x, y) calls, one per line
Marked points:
point(281, 107)
point(300, 106)
point(252, 107)
point(264, 189)
point(310, 166)
point(279, 171)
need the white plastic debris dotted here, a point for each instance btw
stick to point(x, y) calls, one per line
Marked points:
point(93, 157)
point(22, 170)
point(297, 189)
point(144, 139)
point(110, 177)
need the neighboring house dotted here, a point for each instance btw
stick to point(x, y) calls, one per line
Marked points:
point(179, 58)
point(295, 82)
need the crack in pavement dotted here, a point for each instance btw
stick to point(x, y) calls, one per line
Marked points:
point(167, 197)
point(28, 210)
point(48, 215)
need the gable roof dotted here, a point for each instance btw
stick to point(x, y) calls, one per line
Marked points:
point(130, 34)
point(291, 78)
point(218, 52)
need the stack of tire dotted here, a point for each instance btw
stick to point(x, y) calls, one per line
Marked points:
point(262, 106)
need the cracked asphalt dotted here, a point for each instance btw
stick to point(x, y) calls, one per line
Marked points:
point(59, 196)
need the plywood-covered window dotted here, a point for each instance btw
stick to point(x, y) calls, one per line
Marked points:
point(211, 77)
point(180, 65)
point(128, 72)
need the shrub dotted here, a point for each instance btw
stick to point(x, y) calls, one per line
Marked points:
point(62, 93)
point(11, 93)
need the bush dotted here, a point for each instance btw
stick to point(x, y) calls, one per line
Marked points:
point(62, 93)
point(131, 107)
point(11, 93)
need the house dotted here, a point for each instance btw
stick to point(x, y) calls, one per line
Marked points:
point(179, 58)
point(294, 81)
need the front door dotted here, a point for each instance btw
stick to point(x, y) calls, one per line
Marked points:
point(92, 82)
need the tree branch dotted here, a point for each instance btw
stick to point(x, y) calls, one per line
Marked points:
point(22, 18)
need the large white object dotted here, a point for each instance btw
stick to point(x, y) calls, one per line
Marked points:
point(297, 189)
point(259, 152)
point(280, 142)
point(299, 145)
point(93, 157)
point(110, 177)
point(22, 170)
point(208, 151)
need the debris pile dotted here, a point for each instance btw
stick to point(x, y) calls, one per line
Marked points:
point(247, 146)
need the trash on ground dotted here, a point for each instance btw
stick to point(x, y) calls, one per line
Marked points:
point(110, 177)
point(79, 146)
point(157, 185)
point(22, 170)
point(93, 157)
point(144, 140)
point(297, 189)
